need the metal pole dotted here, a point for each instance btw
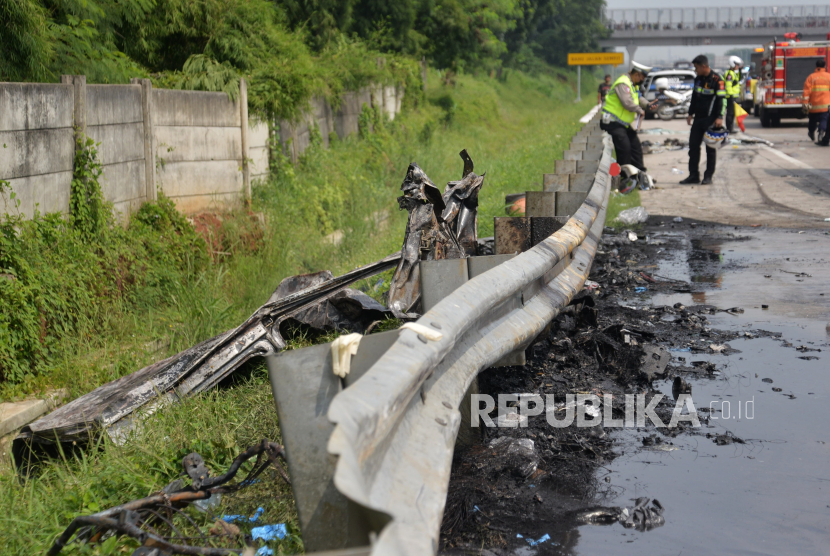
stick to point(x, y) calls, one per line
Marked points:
point(578, 83)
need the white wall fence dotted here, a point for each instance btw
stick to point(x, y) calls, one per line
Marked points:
point(199, 148)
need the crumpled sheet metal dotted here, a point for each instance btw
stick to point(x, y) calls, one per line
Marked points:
point(427, 237)
point(112, 406)
point(395, 452)
point(461, 211)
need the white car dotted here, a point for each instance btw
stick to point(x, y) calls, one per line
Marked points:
point(680, 80)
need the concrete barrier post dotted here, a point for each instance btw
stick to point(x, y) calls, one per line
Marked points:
point(149, 151)
point(243, 125)
point(79, 117)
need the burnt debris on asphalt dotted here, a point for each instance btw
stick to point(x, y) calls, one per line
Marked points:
point(543, 482)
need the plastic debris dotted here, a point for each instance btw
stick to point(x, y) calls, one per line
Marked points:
point(269, 532)
point(264, 551)
point(677, 219)
point(531, 542)
point(632, 236)
point(636, 215)
point(717, 348)
point(590, 285)
point(234, 518)
point(640, 289)
point(425, 331)
point(677, 171)
point(209, 504)
point(342, 350)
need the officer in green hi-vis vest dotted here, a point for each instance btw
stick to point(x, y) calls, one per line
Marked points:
point(621, 114)
point(732, 82)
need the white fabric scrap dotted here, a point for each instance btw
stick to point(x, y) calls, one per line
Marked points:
point(342, 350)
point(425, 331)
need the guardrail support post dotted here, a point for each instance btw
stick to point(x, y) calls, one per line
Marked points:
point(512, 234)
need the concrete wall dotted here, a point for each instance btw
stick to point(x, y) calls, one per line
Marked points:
point(186, 143)
point(115, 119)
point(296, 136)
point(36, 144)
point(258, 135)
point(198, 148)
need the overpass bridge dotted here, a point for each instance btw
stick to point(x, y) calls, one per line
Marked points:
point(757, 25)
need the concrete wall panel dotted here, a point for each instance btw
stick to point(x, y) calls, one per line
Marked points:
point(36, 106)
point(258, 162)
point(212, 202)
point(186, 179)
point(32, 153)
point(258, 134)
point(50, 192)
point(123, 182)
point(118, 143)
point(113, 104)
point(194, 108)
point(189, 143)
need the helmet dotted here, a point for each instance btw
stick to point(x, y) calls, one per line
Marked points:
point(641, 68)
point(628, 178)
point(661, 83)
point(631, 178)
point(735, 61)
point(715, 137)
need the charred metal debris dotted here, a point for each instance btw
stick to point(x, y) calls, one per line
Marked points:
point(160, 522)
point(440, 226)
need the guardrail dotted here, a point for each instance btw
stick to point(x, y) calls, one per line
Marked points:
point(370, 454)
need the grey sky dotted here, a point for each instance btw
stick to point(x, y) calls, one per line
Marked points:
point(648, 55)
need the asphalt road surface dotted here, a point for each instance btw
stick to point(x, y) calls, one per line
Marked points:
point(786, 185)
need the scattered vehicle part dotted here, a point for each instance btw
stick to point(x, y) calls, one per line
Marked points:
point(113, 406)
point(160, 521)
point(428, 237)
point(461, 212)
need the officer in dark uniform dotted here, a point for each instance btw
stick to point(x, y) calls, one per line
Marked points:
point(707, 108)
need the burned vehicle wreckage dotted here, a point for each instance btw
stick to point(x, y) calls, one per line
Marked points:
point(439, 227)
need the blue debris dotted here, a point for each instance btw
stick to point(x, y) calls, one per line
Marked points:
point(269, 532)
point(641, 289)
point(544, 538)
point(680, 349)
point(476, 509)
point(264, 551)
point(253, 519)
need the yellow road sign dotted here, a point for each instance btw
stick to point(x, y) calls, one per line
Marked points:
point(595, 59)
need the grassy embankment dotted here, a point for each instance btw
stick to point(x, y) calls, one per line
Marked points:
point(513, 129)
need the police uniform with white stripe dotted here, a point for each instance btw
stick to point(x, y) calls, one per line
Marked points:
point(621, 111)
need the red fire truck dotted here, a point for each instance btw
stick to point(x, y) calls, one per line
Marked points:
point(784, 67)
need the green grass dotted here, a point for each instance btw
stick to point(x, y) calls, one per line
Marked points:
point(618, 203)
point(513, 129)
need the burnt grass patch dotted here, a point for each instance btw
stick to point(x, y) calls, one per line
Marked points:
point(534, 485)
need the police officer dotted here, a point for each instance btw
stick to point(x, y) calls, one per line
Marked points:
point(732, 81)
point(621, 113)
point(707, 108)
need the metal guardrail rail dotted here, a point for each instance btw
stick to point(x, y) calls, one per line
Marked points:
point(395, 427)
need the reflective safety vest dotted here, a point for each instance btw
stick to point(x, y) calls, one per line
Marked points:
point(732, 80)
point(614, 107)
point(817, 91)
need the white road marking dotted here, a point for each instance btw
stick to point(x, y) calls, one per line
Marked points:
point(799, 163)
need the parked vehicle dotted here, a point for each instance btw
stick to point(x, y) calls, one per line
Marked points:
point(785, 66)
point(676, 104)
point(680, 81)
